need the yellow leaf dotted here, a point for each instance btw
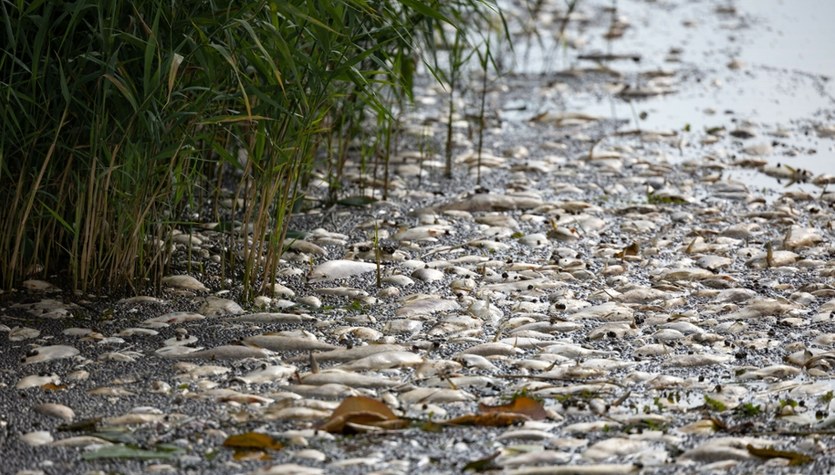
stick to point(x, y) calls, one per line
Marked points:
point(361, 410)
point(490, 419)
point(520, 405)
point(176, 61)
point(252, 441)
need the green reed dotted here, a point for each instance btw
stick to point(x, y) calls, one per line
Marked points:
point(121, 121)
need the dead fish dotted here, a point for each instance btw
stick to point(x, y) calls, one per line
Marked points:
point(270, 317)
point(355, 353)
point(268, 374)
point(348, 378)
point(385, 360)
point(223, 352)
point(49, 353)
point(339, 269)
point(185, 282)
point(59, 411)
point(287, 343)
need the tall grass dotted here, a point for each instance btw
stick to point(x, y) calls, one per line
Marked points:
point(120, 120)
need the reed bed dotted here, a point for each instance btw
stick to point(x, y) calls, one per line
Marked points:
point(122, 120)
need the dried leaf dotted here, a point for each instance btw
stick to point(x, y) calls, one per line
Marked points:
point(84, 425)
point(357, 201)
point(525, 405)
point(162, 452)
point(251, 446)
point(491, 419)
point(176, 61)
point(362, 411)
point(631, 250)
point(53, 387)
point(247, 454)
point(356, 404)
point(430, 426)
point(252, 441)
point(794, 458)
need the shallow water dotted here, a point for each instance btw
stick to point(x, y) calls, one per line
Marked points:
point(800, 35)
point(782, 82)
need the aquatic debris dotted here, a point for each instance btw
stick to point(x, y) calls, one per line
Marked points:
point(268, 374)
point(82, 441)
point(300, 245)
point(271, 317)
point(23, 333)
point(37, 438)
point(724, 448)
point(361, 414)
point(184, 282)
point(288, 468)
point(172, 318)
point(794, 458)
point(348, 378)
point(245, 444)
point(58, 411)
point(43, 354)
point(38, 381)
point(223, 352)
point(34, 285)
point(417, 304)
point(492, 202)
point(686, 274)
point(280, 343)
point(357, 352)
point(799, 237)
point(688, 361)
point(629, 91)
point(215, 307)
point(565, 119)
point(428, 275)
point(339, 269)
point(383, 360)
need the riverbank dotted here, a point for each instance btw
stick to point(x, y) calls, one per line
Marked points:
point(622, 253)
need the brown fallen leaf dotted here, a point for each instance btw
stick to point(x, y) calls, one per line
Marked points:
point(84, 425)
point(525, 405)
point(243, 455)
point(490, 419)
point(794, 458)
point(53, 387)
point(252, 440)
point(631, 250)
point(251, 445)
point(356, 411)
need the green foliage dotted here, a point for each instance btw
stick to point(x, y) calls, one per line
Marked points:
point(748, 409)
point(654, 199)
point(120, 120)
point(788, 402)
point(714, 404)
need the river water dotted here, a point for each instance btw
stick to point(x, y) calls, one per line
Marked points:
point(763, 63)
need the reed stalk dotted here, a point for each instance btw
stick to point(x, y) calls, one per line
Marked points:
point(122, 121)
